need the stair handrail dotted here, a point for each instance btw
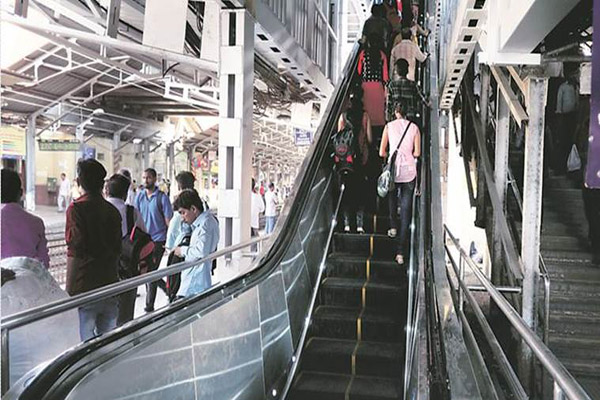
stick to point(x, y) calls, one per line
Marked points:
point(564, 383)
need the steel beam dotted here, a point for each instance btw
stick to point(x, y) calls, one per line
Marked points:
point(127, 47)
point(21, 8)
point(112, 18)
point(500, 177)
point(515, 106)
point(484, 103)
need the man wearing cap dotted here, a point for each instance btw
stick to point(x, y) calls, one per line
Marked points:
point(93, 236)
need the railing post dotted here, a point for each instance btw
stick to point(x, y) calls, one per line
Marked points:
point(532, 207)
point(5, 361)
point(558, 393)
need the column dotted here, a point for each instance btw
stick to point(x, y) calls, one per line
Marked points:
point(146, 162)
point(532, 209)
point(483, 112)
point(116, 143)
point(500, 177)
point(236, 71)
point(170, 152)
point(190, 158)
point(30, 163)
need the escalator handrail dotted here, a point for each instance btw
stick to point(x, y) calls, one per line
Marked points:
point(282, 237)
point(31, 315)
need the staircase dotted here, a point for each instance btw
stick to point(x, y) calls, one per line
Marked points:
point(575, 283)
point(356, 343)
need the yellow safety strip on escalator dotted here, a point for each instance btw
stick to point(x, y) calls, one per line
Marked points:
point(371, 245)
point(374, 223)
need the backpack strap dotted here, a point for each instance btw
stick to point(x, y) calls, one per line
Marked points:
point(130, 221)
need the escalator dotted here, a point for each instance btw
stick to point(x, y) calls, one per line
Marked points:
point(257, 336)
point(357, 339)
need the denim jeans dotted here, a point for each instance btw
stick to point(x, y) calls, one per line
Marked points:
point(270, 224)
point(159, 250)
point(401, 197)
point(98, 318)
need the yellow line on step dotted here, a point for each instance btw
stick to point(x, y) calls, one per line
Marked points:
point(374, 223)
point(359, 328)
point(368, 268)
point(371, 245)
point(347, 394)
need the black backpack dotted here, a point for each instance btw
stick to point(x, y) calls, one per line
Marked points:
point(137, 247)
point(344, 150)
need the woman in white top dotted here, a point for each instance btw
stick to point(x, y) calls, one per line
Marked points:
point(403, 135)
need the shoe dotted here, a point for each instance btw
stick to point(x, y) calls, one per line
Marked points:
point(392, 232)
point(360, 230)
point(400, 259)
point(347, 228)
point(148, 309)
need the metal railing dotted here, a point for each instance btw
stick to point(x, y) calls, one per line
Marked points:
point(564, 385)
point(21, 319)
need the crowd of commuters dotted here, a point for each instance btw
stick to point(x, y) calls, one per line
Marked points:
point(383, 113)
point(103, 220)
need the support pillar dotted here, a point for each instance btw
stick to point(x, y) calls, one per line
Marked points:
point(235, 125)
point(170, 162)
point(190, 158)
point(146, 162)
point(483, 112)
point(500, 177)
point(30, 163)
point(532, 206)
point(116, 143)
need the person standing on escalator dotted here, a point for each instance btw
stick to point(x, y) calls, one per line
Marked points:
point(403, 137)
point(354, 203)
point(373, 71)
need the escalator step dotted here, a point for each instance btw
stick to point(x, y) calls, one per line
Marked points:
point(372, 358)
point(342, 265)
point(357, 244)
point(342, 322)
point(349, 293)
point(318, 386)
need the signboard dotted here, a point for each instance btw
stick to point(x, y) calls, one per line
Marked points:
point(58, 145)
point(592, 175)
point(12, 142)
point(302, 137)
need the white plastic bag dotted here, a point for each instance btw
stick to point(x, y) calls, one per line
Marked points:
point(574, 161)
point(42, 340)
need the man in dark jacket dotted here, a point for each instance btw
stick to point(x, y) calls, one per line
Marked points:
point(93, 236)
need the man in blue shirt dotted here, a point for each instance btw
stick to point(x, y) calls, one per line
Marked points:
point(204, 240)
point(156, 211)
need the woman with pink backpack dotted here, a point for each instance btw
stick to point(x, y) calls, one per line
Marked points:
point(404, 138)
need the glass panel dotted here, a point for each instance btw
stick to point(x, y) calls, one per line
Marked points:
point(205, 358)
point(298, 288)
point(275, 329)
